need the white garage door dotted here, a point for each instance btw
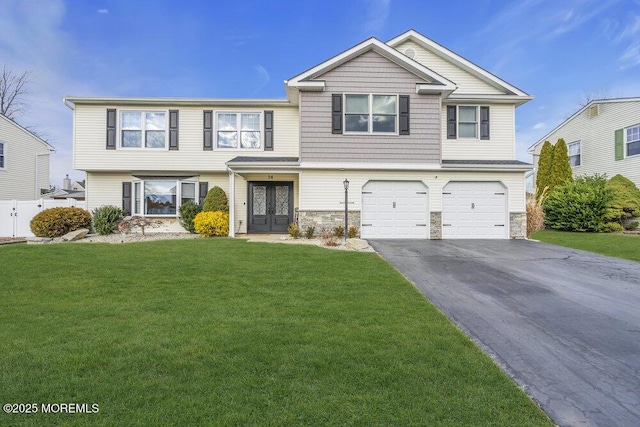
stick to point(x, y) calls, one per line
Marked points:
point(395, 209)
point(474, 210)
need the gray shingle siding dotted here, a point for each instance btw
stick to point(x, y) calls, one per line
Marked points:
point(369, 73)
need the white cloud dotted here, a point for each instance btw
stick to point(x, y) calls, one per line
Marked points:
point(539, 126)
point(377, 14)
point(263, 78)
point(103, 11)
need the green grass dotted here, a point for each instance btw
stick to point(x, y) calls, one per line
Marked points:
point(225, 332)
point(612, 244)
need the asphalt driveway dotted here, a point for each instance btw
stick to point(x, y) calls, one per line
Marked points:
point(565, 324)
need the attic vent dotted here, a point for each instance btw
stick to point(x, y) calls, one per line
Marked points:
point(410, 53)
point(594, 110)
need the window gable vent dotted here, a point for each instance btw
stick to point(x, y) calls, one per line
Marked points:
point(410, 53)
point(594, 110)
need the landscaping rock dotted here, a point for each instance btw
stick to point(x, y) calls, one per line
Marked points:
point(357, 244)
point(75, 235)
point(39, 240)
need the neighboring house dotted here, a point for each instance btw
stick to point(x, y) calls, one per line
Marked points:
point(24, 162)
point(425, 138)
point(602, 137)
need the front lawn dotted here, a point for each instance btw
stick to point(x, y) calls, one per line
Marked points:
point(225, 332)
point(612, 244)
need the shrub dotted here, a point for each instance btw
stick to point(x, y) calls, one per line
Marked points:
point(56, 222)
point(216, 201)
point(560, 171)
point(309, 231)
point(625, 201)
point(210, 224)
point(353, 232)
point(188, 212)
point(294, 230)
point(338, 231)
point(328, 237)
point(579, 205)
point(105, 219)
point(633, 225)
point(544, 168)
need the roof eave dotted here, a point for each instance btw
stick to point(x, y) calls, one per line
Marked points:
point(240, 102)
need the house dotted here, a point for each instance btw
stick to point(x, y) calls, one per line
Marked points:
point(24, 162)
point(425, 138)
point(602, 137)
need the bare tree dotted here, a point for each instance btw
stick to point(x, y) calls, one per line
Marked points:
point(13, 89)
point(587, 97)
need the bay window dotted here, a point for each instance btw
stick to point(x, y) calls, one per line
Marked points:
point(162, 196)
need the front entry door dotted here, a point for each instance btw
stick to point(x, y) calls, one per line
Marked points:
point(270, 207)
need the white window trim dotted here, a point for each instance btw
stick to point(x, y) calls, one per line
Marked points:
point(4, 156)
point(626, 143)
point(468, 138)
point(142, 147)
point(579, 144)
point(237, 113)
point(178, 195)
point(370, 124)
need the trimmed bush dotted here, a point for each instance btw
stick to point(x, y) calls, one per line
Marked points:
point(56, 222)
point(625, 202)
point(294, 230)
point(338, 231)
point(105, 219)
point(188, 212)
point(210, 224)
point(216, 201)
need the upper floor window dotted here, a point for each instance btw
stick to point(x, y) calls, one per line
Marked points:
point(2, 156)
point(632, 140)
point(467, 121)
point(573, 149)
point(143, 129)
point(368, 113)
point(238, 130)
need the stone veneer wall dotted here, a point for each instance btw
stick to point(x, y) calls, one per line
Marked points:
point(435, 226)
point(322, 219)
point(518, 225)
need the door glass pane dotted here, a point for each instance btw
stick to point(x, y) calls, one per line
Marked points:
point(282, 200)
point(259, 200)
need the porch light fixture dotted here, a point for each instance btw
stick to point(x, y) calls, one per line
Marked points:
point(346, 209)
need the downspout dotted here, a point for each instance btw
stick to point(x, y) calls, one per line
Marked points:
point(232, 202)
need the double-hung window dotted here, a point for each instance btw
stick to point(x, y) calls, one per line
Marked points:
point(239, 130)
point(573, 149)
point(2, 155)
point(632, 140)
point(143, 129)
point(467, 122)
point(370, 113)
point(162, 196)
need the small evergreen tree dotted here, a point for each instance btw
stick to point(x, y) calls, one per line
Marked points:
point(216, 201)
point(560, 171)
point(544, 168)
point(625, 202)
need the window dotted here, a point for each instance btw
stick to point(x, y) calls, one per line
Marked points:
point(632, 140)
point(371, 113)
point(239, 130)
point(574, 153)
point(162, 196)
point(140, 129)
point(2, 156)
point(467, 121)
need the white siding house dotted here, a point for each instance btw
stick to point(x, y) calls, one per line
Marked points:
point(24, 162)
point(424, 137)
point(602, 137)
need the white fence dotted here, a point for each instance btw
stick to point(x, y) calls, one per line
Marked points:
point(15, 215)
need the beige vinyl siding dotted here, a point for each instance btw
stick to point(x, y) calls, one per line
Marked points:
point(597, 137)
point(324, 190)
point(467, 83)
point(90, 154)
point(500, 146)
point(18, 177)
point(369, 73)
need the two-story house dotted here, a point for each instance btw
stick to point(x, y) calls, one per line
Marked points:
point(24, 162)
point(425, 138)
point(602, 137)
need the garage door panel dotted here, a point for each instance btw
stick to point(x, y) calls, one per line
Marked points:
point(474, 210)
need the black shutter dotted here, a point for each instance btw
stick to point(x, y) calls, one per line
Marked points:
point(484, 122)
point(403, 114)
point(451, 122)
point(268, 131)
point(111, 129)
point(126, 198)
point(173, 129)
point(204, 189)
point(208, 130)
point(336, 113)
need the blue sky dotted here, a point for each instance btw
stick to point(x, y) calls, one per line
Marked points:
point(557, 51)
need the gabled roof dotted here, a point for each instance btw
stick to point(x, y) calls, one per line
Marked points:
point(577, 113)
point(45, 143)
point(458, 60)
point(435, 82)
